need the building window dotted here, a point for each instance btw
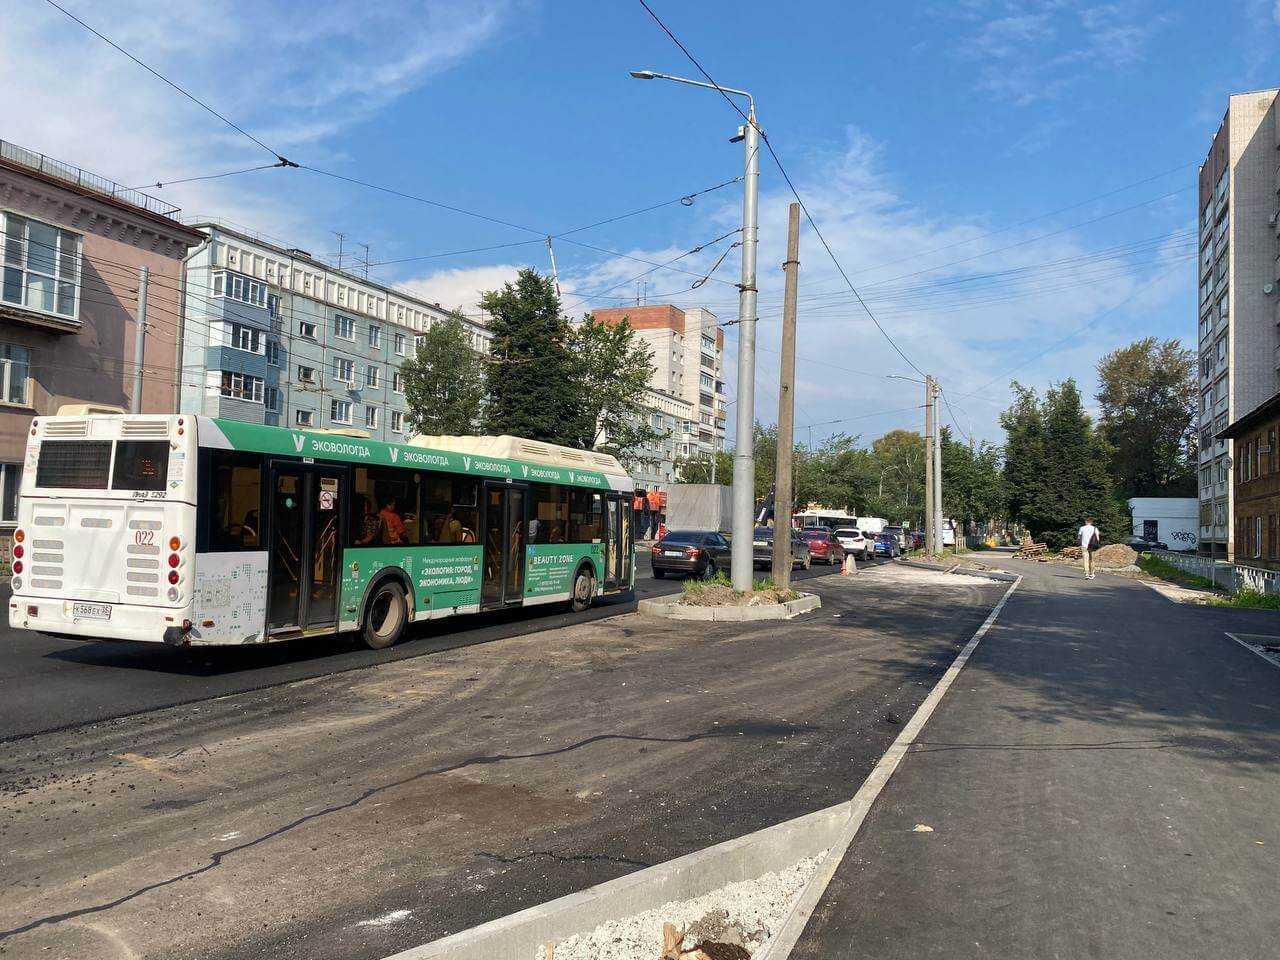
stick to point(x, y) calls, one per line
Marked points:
point(397, 382)
point(340, 411)
point(306, 330)
point(273, 302)
point(15, 374)
point(402, 344)
point(372, 377)
point(371, 417)
point(375, 336)
point(41, 266)
point(10, 484)
point(273, 353)
point(246, 338)
point(397, 421)
point(344, 370)
point(271, 399)
point(1257, 537)
point(307, 374)
point(304, 418)
point(241, 386)
point(237, 286)
point(344, 327)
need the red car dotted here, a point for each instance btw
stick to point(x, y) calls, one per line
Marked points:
point(823, 546)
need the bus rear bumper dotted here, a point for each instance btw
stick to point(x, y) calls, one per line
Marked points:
point(126, 622)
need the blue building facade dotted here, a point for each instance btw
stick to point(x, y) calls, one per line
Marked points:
point(271, 335)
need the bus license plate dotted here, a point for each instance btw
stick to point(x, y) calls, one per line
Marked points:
point(91, 611)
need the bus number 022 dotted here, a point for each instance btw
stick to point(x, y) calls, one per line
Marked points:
point(144, 538)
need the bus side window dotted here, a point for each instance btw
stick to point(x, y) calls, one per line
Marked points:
point(549, 513)
point(237, 501)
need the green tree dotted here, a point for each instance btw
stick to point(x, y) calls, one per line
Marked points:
point(898, 493)
point(1148, 395)
point(1057, 467)
point(973, 489)
point(698, 469)
point(444, 381)
point(612, 368)
point(533, 389)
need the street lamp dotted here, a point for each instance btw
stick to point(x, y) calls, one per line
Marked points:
point(743, 456)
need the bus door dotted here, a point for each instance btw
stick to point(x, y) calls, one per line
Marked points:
point(304, 530)
point(617, 546)
point(505, 524)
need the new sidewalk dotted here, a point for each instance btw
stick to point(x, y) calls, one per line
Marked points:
point(1103, 780)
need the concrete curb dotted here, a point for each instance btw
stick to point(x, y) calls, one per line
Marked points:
point(667, 608)
point(518, 935)
point(939, 568)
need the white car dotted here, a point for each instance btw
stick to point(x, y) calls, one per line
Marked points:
point(854, 542)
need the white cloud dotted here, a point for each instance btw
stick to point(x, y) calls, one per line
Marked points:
point(293, 80)
point(461, 287)
point(974, 312)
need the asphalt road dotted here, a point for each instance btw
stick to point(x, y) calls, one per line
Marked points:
point(47, 683)
point(1101, 781)
point(354, 814)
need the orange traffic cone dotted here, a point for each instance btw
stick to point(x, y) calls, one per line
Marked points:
point(850, 566)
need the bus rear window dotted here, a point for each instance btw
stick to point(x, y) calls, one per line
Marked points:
point(141, 465)
point(74, 464)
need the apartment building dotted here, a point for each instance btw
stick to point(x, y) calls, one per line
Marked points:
point(272, 335)
point(73, 246)
point(688, 358)
point(1238, 273)
point(655, 466)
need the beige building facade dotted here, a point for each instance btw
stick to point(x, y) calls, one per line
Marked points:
point(73, 246)
point(1239, 296)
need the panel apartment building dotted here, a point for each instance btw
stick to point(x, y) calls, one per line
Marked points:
point(73, 246)
point(1239, 304)
point(688, 358)
point(271, 335)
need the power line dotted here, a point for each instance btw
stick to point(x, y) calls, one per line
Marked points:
point(212, 176)
point(791, 186)
point(159, 76)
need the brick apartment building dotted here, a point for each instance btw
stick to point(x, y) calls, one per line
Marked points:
point(1256, 470)
point(73, 245)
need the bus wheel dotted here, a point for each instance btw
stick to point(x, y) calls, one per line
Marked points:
point(385, 616)
point(584, 588)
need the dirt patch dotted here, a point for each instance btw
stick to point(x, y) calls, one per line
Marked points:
point(719, 596)
point(1115, 555)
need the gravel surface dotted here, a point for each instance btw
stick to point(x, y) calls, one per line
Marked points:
point(747, 913)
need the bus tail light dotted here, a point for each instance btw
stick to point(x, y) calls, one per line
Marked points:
point(17, 551)
point(174, 560)
point(174, 544)
point(18, 536)
point(17, 566)
point(173, 576)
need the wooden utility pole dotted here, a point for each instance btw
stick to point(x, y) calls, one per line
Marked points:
point(782, 507)
point(930, 547)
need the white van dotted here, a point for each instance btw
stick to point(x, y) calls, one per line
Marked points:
point(870, 526)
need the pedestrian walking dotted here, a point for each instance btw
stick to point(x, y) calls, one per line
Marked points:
point(1090, 540)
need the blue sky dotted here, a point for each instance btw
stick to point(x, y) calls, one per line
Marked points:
point(925, 140)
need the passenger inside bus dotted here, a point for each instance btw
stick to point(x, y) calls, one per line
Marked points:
point(370, 523)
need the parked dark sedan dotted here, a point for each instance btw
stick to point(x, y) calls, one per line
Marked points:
point(762, 548)
point(823, 546)
point(697, 552)
point(887, 545)
point(1141, 543)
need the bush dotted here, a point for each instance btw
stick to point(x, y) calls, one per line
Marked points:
point(1167, 571)
point(1251, 598)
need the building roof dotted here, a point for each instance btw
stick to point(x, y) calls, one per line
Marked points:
point(519, 448)
point(86, 184)
point(1269, 410)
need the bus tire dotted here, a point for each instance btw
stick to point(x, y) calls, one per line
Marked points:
point(584, 589)
point(385, 616)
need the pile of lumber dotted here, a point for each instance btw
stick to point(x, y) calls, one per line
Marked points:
point(1030, 550)
point(1070, 553)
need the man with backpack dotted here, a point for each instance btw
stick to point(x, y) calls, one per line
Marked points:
point(1090, 540)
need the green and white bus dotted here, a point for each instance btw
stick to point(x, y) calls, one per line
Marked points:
point(195, 530)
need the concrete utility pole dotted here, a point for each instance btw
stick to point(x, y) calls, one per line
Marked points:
point(929, 545)
point(744, 465)
point(782, 508)
point(139, 340)
point(937, 470)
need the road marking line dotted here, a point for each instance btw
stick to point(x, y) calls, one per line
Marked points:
point(1254, 650)
point(798, 918)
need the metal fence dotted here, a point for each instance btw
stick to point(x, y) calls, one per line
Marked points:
point(1230, 576)
point(84, 179)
